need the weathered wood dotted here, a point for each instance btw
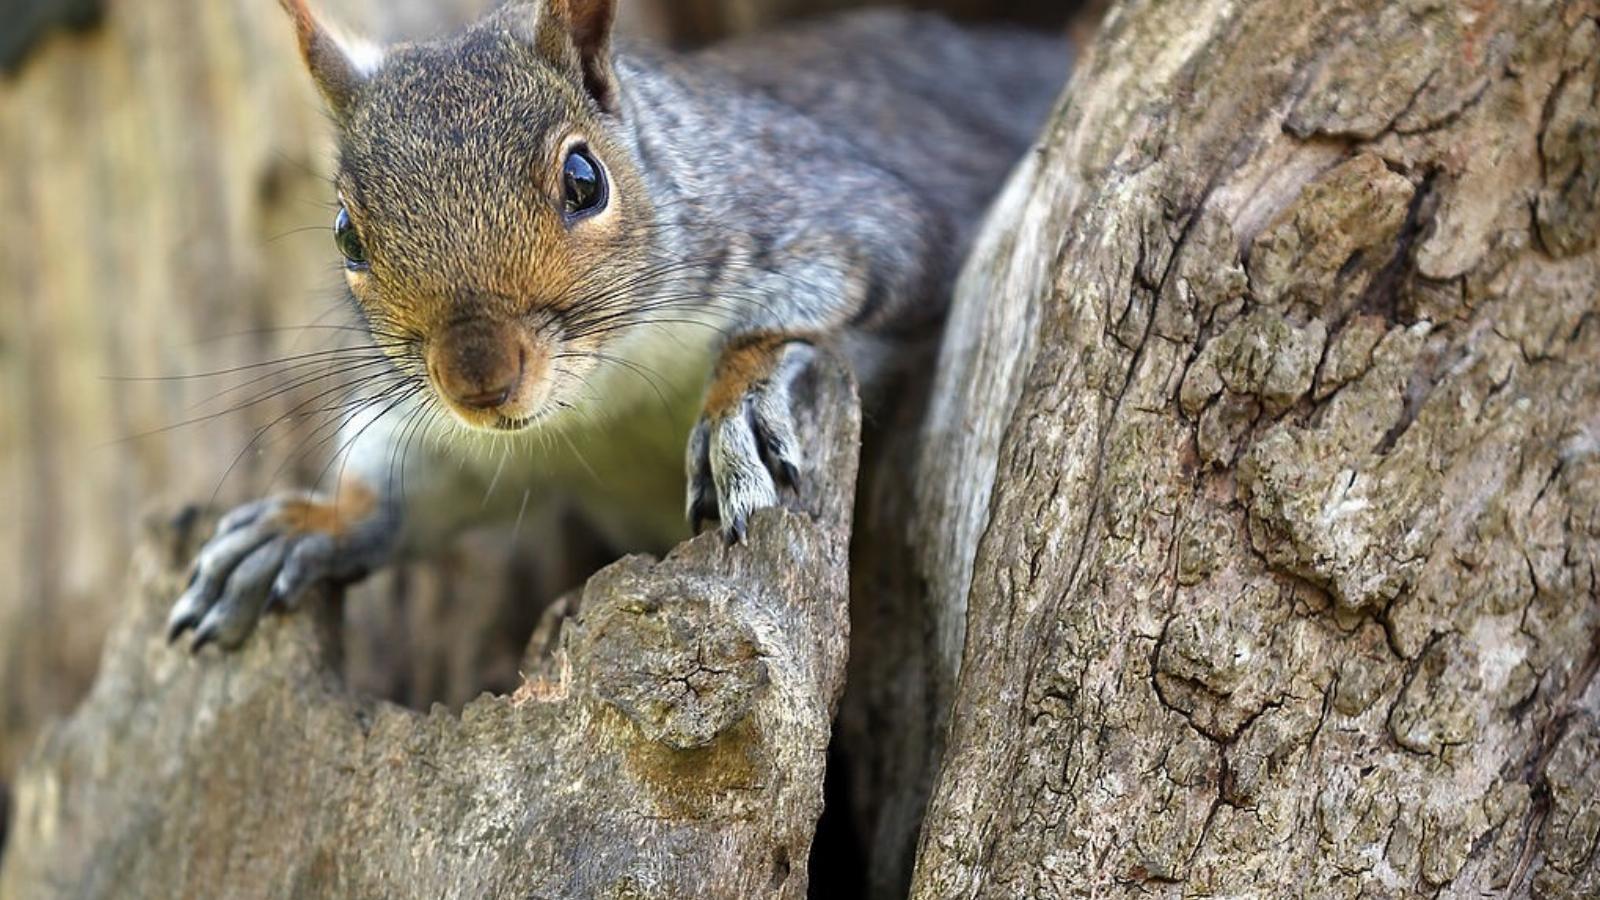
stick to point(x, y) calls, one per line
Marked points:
point(671, 745)
point(1267, 437)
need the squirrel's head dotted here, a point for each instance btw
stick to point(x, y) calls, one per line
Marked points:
point(492, 216)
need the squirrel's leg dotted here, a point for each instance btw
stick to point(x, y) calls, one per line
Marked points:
point(267, 553)
point(745, 443)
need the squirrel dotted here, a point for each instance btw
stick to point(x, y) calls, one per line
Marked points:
point(548, 236)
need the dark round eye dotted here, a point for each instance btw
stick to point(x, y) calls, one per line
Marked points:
point(583, 182)
point(344, 234)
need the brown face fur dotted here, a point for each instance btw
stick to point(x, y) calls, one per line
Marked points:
point(450, 167)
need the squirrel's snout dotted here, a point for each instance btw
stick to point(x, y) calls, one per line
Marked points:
point(482, 367)
point(488, 399)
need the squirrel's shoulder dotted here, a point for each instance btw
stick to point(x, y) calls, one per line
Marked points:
point(867, 33)
point(891, 46)
point(945, 107)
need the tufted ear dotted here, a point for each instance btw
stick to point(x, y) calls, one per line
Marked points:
point(339, 65)
point(580, 30)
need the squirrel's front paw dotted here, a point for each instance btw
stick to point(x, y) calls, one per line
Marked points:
point(266, 553)
point(745, 443)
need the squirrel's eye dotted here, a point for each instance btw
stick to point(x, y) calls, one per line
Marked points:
point(344, 234)
point(583, 182)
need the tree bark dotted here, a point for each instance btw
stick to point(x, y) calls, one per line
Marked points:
point(1265, 457)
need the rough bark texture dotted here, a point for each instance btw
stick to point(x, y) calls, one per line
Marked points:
point(1283, 362)
point(670, 743)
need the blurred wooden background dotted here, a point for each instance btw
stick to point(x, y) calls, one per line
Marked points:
point(164, 178)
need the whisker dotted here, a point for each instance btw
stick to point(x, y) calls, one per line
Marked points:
point(309, 357)
point(344, 414)
point(494, 482)
point(253, 402)
point(329, 369)
point(273, 239)
point(266, 428)
point(516, 529)
point(645, 373)
point(340, 454)
point(402, 449)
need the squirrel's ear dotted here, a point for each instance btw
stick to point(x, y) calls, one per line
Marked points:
point(338, 64)
point(586, 24)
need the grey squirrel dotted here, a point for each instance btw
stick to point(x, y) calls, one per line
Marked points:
point(554, 242)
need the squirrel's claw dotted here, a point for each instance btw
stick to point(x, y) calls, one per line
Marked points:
point(243, 598)
point(309, 561)
point(739, 455)
point(229, 589)
point(263, 556)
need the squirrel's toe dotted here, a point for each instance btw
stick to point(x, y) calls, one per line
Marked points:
point(264, 555)
point(739, 457)
point(743, 450)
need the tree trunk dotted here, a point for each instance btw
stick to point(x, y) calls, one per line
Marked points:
point(1248, 542)
point(1265, 465)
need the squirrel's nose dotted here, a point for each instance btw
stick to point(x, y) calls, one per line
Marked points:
point(488, 399)
point(478, 365)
